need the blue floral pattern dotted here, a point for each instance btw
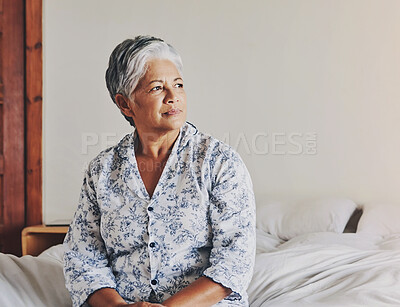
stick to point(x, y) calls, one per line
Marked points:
point(200, 221)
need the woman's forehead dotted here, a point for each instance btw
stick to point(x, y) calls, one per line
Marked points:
point(160, 69)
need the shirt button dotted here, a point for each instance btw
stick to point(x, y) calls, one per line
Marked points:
point(154, 282)
point(150, 208)
point(152, 244)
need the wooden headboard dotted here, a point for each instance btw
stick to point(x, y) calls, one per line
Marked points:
point(36, 239)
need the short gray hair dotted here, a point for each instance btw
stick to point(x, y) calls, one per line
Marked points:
point(127, 64)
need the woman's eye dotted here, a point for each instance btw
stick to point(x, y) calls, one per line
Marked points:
point(179, 85)
point(156, 88)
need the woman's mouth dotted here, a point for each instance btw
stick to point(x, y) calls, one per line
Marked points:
point(173, 112)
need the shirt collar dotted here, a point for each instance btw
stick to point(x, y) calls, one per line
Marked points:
point(126, 151)
point(185, 133)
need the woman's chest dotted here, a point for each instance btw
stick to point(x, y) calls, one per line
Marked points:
point(150, 171)
point(178, 213)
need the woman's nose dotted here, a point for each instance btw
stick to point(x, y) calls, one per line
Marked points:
point(171, 97)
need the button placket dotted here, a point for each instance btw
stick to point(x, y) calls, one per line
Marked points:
point(152, 252)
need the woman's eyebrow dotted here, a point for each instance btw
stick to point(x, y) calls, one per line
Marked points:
point(154, 81)
point(161, 81)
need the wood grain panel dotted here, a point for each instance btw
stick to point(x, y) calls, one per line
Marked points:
point(13, 70)
point(1, 138)
point(1, 84)
point(1, 214)
point(1, 128)
point(33, 107)
point(1, 62)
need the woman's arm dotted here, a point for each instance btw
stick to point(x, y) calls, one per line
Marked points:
point(108, 297)
point(203, 292)
point(232, 219)
point(232, 216)
point(86, 267)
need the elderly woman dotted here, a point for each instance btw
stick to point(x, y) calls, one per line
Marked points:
point(166, 217)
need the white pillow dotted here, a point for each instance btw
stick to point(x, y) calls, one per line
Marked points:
point(288, 219)
point(55, 252)
point(380, 219)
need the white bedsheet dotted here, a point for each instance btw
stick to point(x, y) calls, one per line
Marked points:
point(317, 269)
point(327, 269)
point(32, 281)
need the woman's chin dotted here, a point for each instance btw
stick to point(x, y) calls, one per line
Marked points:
point(174, 122)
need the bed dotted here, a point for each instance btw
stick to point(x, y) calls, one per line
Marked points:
point(309, 253)
point(325, 253)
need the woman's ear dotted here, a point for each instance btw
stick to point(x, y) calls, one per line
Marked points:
point(123, 104)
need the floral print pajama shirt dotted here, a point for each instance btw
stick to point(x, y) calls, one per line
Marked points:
point(200, 221)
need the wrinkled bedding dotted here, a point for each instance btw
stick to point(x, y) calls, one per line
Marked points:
point(326, 269)
point(33, 281)
point(315, 269)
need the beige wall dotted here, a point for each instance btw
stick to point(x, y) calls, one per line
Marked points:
point(290, 75)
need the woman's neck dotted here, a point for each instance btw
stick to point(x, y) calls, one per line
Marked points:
point(155, 145)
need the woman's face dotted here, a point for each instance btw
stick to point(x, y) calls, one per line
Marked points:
point(158, 103)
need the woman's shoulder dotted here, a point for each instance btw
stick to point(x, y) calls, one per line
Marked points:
point(209, 145)
point(110, 157)
point(221, 159)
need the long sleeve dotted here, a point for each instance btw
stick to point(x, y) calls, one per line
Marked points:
point(199, 221)
point(232, 215)
point(86, 267)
